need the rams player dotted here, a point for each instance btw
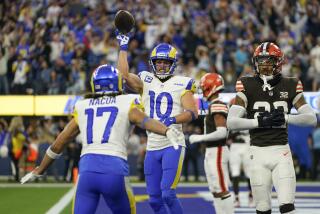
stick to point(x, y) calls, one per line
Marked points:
point(104, 120)
point(267, 99)
point(167, 98)
point(214, 137)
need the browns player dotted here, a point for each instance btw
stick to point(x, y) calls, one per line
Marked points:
point(217, 153)
point(266, 99)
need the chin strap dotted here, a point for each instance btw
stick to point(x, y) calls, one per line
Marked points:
point(266, 86)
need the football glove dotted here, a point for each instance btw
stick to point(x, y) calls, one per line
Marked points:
point(168, 121)
point(268, 120)
point(174, 137)
point(195, 138)
point(278, 117)
point(29, 177)
point(123, 40)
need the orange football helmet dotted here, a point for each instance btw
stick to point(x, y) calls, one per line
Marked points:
point(211, 84)
point(268, 54)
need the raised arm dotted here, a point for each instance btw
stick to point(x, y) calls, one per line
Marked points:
point(132, 80)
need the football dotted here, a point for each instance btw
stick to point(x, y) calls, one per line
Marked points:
point(124, 21)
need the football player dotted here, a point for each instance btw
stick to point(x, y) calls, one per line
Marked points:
point(104, 121)
point(266, 99)
point(167, 98)
point(215, 137)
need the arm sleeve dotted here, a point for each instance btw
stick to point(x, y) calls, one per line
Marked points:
point(220, 133)
point(305, 117)
point(236, 122)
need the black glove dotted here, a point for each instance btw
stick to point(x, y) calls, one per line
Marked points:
point(265, 119)
point(269, 119)
point(278, 118)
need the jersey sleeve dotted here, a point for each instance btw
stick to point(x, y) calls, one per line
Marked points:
point(298, 92)
point(75, 114)
point(219, 108)
point(240, 89)
point(239, 86)
point(136, 103)
point(191, 86)
point(299, 87)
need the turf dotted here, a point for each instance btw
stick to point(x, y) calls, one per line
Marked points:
point(29, 200)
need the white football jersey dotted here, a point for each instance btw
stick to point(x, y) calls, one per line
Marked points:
point(104, 124)
point(162, 100)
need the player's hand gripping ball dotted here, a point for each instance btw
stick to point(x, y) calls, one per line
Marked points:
point(124, 21)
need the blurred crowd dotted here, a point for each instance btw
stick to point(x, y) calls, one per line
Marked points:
point(52, 46)
point(24, 141)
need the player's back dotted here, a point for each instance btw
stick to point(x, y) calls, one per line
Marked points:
point(162, 100)
point(104, 124)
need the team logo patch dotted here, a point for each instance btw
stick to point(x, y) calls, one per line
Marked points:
point(283, 95)
point(148, 79)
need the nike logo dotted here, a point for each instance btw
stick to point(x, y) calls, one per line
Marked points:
point(284, 154)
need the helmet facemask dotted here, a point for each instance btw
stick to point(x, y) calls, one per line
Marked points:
point(162, 68)
point(268, 66)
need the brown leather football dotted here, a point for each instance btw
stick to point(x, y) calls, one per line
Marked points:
point(124, 21)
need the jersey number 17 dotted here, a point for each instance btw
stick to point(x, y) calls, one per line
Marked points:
point(100, 111)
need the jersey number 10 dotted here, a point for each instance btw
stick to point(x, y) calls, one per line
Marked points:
point(90, 120)
point(155, 104)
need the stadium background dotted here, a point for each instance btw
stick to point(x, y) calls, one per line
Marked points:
point(49, 49)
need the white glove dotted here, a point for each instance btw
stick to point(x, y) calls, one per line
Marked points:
point(174, 136)
point(4, 151)
point(29, 177)
point(123, 41)
point(195, 138)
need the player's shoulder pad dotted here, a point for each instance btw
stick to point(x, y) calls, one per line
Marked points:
point(146, 76)
point(136, 103)
point(188, 83)
point(219, 107)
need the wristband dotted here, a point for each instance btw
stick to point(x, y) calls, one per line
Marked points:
point(145, 119)
point(52, 154)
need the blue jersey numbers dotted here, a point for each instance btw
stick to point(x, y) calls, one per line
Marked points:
point(109, 122)
point(157, 101)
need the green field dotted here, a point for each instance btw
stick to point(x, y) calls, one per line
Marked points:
point(31, 200)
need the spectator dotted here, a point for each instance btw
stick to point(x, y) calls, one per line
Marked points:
point(19, 141)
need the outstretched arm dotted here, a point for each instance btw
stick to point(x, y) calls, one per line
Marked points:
point(139, 118)
point(220, 133)
point(54, 151)
point(132, 80)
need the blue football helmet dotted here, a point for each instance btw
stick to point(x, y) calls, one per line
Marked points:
point(106, 79)
point(164, 51)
